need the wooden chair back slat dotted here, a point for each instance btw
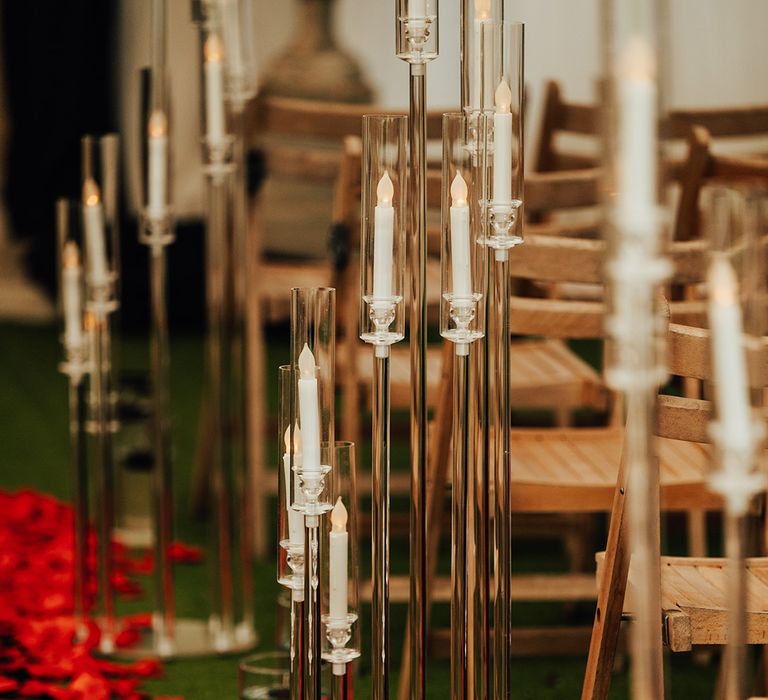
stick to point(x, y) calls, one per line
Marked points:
point(558, 259)
point(722, 122)
point(562, 190)
point(681, 418)
point(556, 318)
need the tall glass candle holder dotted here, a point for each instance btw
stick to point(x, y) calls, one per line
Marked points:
point(635, 270)
point(75, 366)
point(417, 43)
point(502, 61)
point(313, 357)
point(462, 317)
point(382, 245)
point(237, 33)
point(736, 287)
point(340, 600)
point(382, 323)
point(101, 265)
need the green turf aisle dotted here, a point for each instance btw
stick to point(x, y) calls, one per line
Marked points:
point(33, 436)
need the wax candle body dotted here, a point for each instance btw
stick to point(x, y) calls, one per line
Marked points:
point(384, 222)
point(728, 360)
point(339, 545)
point(417, 8)
point(72, 297)
point(637, 138)
point(214, 89)
point(157, 145)
point(309, 413)
point(502, 145)
point(461, 259)
point(93, 215)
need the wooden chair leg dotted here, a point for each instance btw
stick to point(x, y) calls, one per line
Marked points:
point(610, 600)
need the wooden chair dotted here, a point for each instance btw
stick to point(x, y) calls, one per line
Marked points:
point(691, 588)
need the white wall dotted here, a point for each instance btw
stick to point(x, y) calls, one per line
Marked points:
point(719, 56)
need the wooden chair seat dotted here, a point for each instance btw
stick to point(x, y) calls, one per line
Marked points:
point(544, 374)
point(693, 591)
point(574, 470)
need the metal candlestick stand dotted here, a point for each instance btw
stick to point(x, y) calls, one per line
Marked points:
point(382, 321)
point(462, 316)
point(313, 324)
point(417, 44)
point(99, 216)
point(76, 367)
point(635, 271)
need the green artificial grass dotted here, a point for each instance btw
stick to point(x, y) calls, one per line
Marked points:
point(33, 435)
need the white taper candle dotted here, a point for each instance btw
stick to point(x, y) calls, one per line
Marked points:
point(72, 296)
point(728, 361)
point(95, 245)
point(461, 259)
point(339, 544)
point(214, 89)
point(157, 166)
point(383, 236)
point(502, 145)
point(309, 413)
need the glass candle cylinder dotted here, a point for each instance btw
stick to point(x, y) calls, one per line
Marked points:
point(383, 244)
point(477, 55)
point(237, 32)
point(340, 611)
point(264, 675)
point(503, 44)
point(416, 33)
point(463, 259)
point(313, 356)
point(100, 215)
point(69, 270)
point(290, 551)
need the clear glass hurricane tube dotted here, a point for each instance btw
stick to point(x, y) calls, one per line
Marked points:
point(635, 269)
point(475, 14)
point(462, 317)
point(417, 44)
point(382, 323)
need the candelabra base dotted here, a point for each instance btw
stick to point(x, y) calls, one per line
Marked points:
point(193, 638)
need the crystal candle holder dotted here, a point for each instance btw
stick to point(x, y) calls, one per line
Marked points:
point(502, 71)
point(462, 260)
point(382, 245)
point(417, 30)
point(339, 567)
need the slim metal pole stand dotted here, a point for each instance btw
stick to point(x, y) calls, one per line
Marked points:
point(502, 517)
point(735, 650)
point(380, 540)
point(418, 344)
point(340, 689)
point(157, 238)
point(104, 467)
point(312, 640)
point(297, 649)
point(223, 593)
point(459, 598)
point(75, 368)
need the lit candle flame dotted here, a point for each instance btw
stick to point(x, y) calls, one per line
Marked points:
point(91, 194)
point(296, 439)
point(385, 191)
point(307, 363)
point(158, 124)
point(458, 191)
point(503, 97)
point(71, 255)
point(638, 62)
point(339, 517)
point(483, 9)
point(89, 321)
point(213, 49)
